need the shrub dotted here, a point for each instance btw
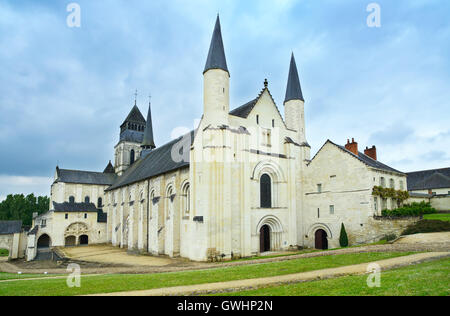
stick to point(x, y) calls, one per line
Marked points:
point(343, 238)
point(414, 209)
point(4, 253)
point(427, 226)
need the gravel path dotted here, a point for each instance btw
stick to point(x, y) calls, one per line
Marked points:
point(248, 284)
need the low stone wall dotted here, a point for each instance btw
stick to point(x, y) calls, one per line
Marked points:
point(378, 227)
point(441, 202)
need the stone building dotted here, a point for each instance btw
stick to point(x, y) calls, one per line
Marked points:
point(431, 186)
point(12, 238)
point(241, 183)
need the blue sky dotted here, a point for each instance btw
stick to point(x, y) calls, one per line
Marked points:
point(65, 91)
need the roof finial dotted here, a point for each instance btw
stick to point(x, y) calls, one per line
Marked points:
point(135, 97)
point(266, 83)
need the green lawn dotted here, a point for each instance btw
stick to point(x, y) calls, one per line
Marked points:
point(14, 276)
point(439, 217)
point(117, 283)
point(4, 253)
point(426, 279)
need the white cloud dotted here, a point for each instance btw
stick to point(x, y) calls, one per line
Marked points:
point(24, 185)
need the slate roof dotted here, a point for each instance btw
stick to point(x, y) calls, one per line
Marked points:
point(84, 177)
point(10, 227)
point(135, 116)
point(67, 207)
point(148, 141)
point(293, 90)
point(365, 159)
point(216, 55)
point(132, 136)
point(429, 179)
point(157, 162)
point(244, 110)
point(34, 231)
point(109, 168)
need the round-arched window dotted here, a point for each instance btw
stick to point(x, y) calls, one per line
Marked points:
point(265, 191)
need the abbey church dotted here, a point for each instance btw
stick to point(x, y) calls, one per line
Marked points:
point(242, 183)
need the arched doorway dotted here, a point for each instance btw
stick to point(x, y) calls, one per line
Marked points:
point(44, 241)
point(70, 241)
point(84, 240)
point(264, 238)
point(321, 241)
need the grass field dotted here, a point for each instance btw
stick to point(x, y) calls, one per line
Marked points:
point(439, 217)
point(14, 276)
point(118, 283)
point(4, 253)
point(426, 279)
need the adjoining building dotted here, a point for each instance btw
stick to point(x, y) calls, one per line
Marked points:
point(431, 186)
point(13, 238)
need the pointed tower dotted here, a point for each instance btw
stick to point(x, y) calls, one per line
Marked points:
point(131, 137)
point(294, 104)
point(148, 144)
point(216, 81)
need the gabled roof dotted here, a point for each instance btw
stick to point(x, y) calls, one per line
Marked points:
point(67, 207)
point(157, 162)
point(84, 177)
point(109, 168)
point(10, 227)
point(293, 90)
point(216, 55)
point(363, 158)
point(244, 110)
point(429, 179)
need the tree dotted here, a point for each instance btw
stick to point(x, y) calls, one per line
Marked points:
point(343, 239)
point(21, 207)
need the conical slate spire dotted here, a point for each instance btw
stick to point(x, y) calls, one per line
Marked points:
point(216, 56)
point(148, 142)
point(294, 90)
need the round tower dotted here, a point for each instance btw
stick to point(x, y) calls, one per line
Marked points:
point(216, 81)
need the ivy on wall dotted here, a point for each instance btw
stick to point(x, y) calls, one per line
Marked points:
point(385, 193)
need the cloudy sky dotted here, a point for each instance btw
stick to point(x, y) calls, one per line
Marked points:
point(65, 91)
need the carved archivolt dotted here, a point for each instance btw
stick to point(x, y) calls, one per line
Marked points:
point(77, 229)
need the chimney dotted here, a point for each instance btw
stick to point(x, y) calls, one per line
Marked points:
point(371, 152)
point(353, 146)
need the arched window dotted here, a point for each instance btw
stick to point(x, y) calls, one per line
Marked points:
point(87, 199)
point(186, 199)
point(99, 202)
point(71, 199)
point(132, 156)
point(266, 191)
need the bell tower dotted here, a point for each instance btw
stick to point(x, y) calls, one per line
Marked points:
point(131, 137)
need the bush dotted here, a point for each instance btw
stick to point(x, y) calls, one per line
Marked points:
point(343, 238)
point(4, 253)
point(414, 209)
point(427, 226)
